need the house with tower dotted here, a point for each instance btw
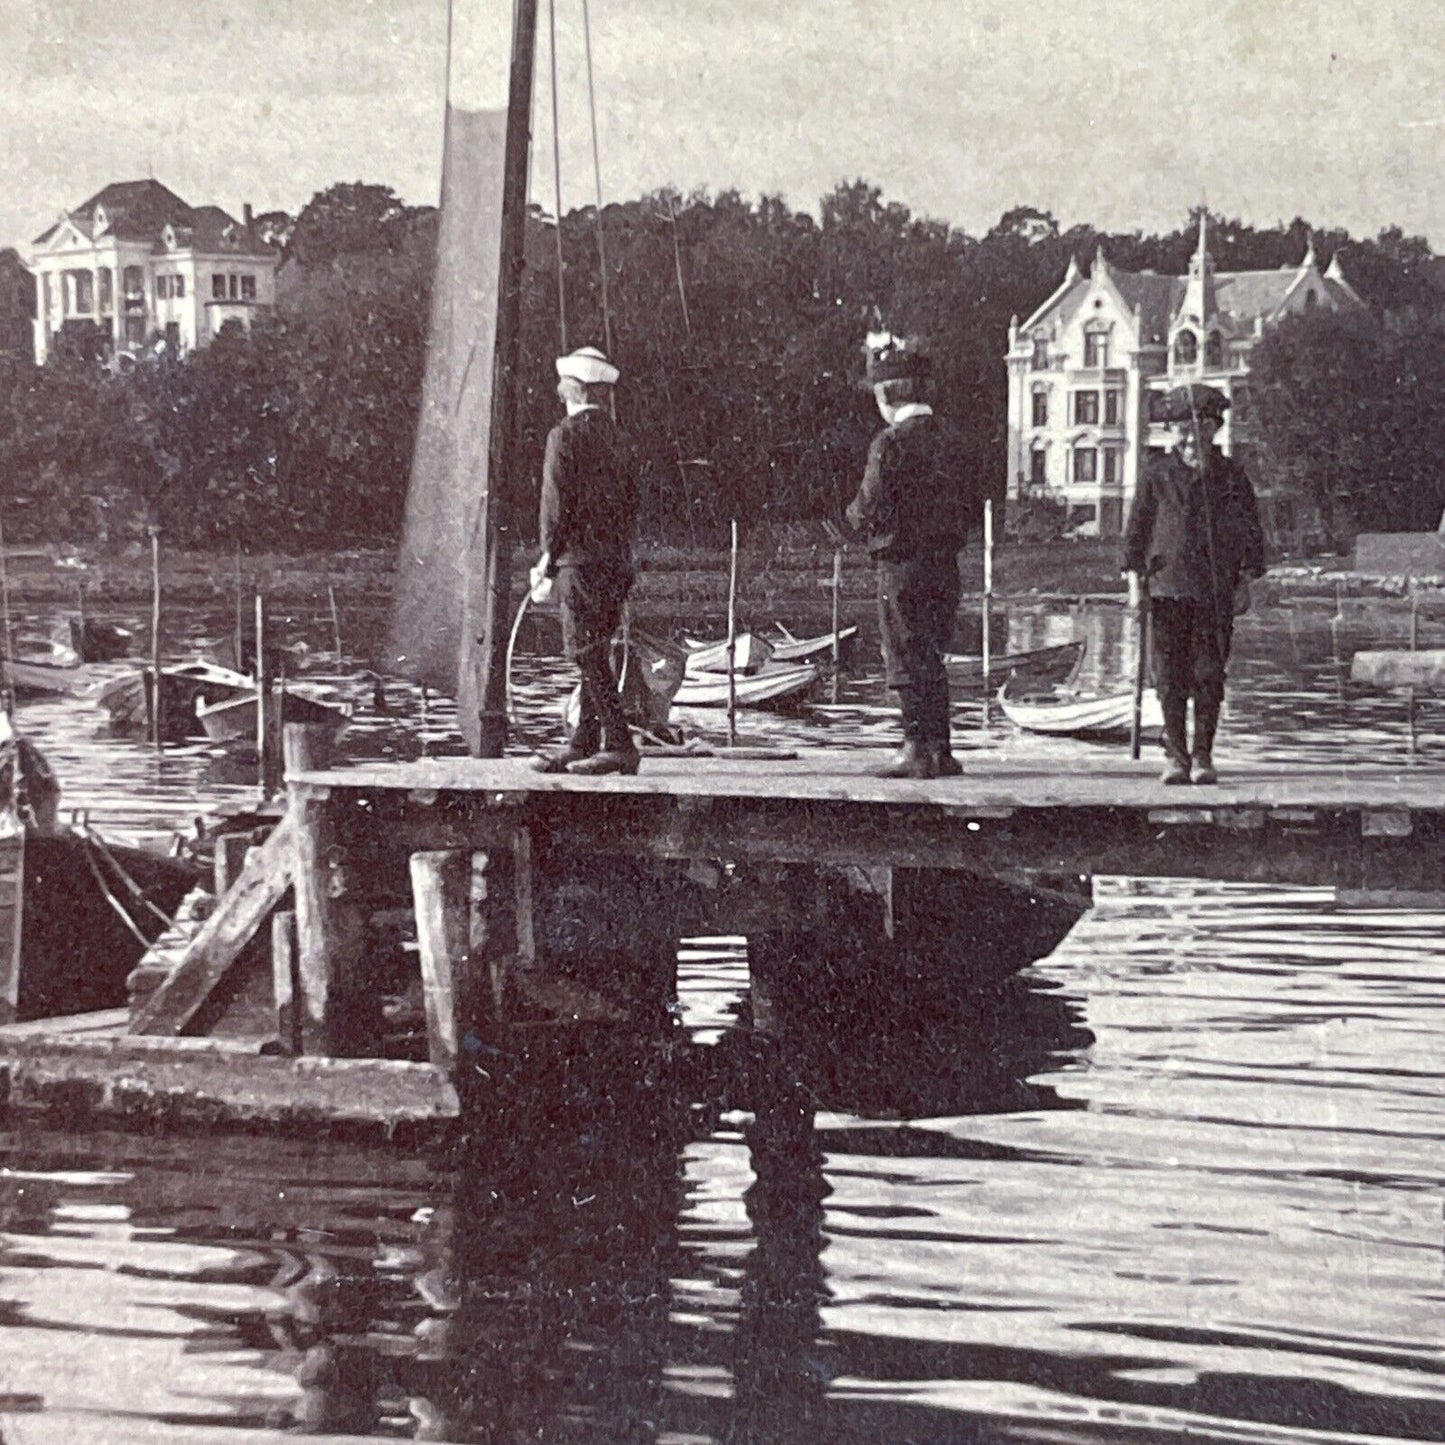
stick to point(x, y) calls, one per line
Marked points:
point(136, 263)
point(1082, 368)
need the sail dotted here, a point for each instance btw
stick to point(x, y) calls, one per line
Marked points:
point(443, 546)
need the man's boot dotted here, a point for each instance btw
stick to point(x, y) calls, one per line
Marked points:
point(558, 760)
point(912, 760)
point(1176, 750)
point(1206, 721)
point(945, 765)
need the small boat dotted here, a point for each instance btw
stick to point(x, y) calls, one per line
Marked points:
point(76, 912)
point(127, 698)
point(750, 654)
point(50, 676)
point(1059, 712)
point(94, 641)
point(233, 719)
point(814, 649)
point(777, 684)
point(1039, 665)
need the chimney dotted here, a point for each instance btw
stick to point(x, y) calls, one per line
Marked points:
point(247, 215)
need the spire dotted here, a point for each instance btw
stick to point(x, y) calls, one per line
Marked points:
point(1199, 298)
point(1309, 259)
point(1101, 261)
point(1072, 274)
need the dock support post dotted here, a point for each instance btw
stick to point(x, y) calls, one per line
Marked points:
point(286, 980)
point(503, 930)
point(441, 889)
point(330, 933)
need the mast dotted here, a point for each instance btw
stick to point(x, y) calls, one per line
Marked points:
point(482, 681)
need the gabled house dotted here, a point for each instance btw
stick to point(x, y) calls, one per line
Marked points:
point(1082, 367)
point(136, 263)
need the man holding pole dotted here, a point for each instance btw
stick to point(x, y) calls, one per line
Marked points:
point(915, 509)
point(588, 507)
point(1191, 546)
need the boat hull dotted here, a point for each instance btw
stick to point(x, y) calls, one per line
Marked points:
point(127, 698)
point(234, 719)
point(818, 649)
point(775, 686)
point(1039, 665)
point(64, 948)
point(1108, 717)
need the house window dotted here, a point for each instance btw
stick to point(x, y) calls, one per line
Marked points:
point(81, 292)
point(1113, 407)
point(1040, 400)
point(1186, 349)
point(135, 330)
point(1096, 348)
point(1041, 353)
point(218, 287)
point(1311, 300)
point(248, 288)
point(1038, 467)
point(107, 288)
point(1086, 464)
point(163, 287)
point(133, 282)
point(173, 334)
point(1111, 467)
point(178, 286)
point(1214, 352)
point(1086, 408)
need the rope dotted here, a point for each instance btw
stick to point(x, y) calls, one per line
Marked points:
point(121, 912)
point(557, 182)
point(597, 177)
point(511, 648)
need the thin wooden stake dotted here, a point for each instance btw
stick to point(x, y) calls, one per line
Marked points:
point(240, 616)
point(733, 637)
point(261, 693)
point(837, 646)
point(987, 598)
point(157, 730)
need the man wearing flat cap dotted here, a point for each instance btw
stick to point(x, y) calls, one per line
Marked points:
point(914, 508)
point(588, 507)
point(1191, 546)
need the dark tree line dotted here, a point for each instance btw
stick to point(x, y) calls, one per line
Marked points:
point(738, 326)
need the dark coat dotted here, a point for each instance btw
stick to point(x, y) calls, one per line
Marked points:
point(915, 498)
point(589, 501)
point(1186, 527)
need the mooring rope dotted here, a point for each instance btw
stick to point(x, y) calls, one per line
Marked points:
point(597, 177)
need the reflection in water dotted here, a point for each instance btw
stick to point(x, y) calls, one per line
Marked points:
point(1182, 1181)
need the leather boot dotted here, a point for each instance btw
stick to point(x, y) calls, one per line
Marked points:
point(1206, 721)
point(945, 765)
point(1176, 748)
point(912, 760)
point(609, 760)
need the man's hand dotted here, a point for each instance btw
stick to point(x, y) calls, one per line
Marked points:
point(541, 583)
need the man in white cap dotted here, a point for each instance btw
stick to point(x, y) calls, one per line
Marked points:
point(588, 507)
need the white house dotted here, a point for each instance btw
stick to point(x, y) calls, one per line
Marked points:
point(136, 262)
point(1081, 368)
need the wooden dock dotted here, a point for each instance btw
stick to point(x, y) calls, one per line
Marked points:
point(515, 901)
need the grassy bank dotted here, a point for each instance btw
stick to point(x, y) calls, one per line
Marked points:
point(775, 572)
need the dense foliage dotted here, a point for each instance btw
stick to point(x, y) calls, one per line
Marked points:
point(737, 325)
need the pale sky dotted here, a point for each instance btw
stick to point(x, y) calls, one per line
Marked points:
point(1123, 113)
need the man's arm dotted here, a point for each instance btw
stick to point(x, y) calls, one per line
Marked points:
point(864, 507)
point(1140, 526)
point(557, 501)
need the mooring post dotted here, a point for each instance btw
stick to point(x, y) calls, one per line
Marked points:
point(306, 747)
point(228, 859)
point(441, 891)
point(285, 975)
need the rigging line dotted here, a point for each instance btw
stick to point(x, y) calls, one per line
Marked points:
point(557, 183)
point(597, 177)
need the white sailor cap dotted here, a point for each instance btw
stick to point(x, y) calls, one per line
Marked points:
point(588, 365)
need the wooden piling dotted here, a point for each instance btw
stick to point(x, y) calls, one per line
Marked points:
point(286, 979)
point(451, 987)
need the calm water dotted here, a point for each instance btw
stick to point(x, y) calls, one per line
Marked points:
point(1183, 1181)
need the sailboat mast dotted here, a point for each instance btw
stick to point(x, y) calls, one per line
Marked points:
point(485, 650)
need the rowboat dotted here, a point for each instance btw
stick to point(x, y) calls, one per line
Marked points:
point(777, 684)
point(1039, 665)
point(39, 677)
point(234, 718)
point(1058, 712)
point(182, 686)
point(814, 649)
point(76, 913)
point(750, 653)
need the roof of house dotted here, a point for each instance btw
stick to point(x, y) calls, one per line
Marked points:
point(141, 210)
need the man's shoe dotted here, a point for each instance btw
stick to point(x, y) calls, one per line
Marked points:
point(945, 765)
point(1175, 772)
point(912, 760)
point(558, 760)
point(1204, 771)
point(609, 760)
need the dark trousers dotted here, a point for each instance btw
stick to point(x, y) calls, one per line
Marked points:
point(917, 602)
point(590, 598)
point(1189, 650)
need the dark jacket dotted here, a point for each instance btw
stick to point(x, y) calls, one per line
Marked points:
point(915, 498)
point(589, 501)
point(1186, 527)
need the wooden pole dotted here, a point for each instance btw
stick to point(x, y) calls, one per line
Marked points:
point(1141, 667)
point(157, 730)
point(837, 645)
point(488, 656)
point(261, 682)
point(733, 636)
point(987, 593)
point(335, 621)
point(240, 616)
